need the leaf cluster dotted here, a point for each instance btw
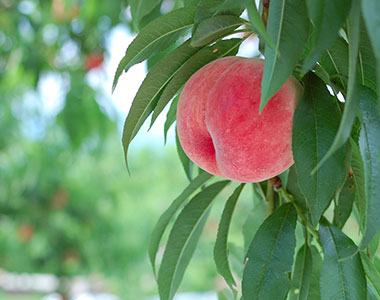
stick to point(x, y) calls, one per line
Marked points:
point(333, 49)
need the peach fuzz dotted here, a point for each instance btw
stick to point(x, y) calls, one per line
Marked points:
point(219, 125)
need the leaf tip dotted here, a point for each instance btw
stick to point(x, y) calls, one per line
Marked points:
point(263, 102)
point(114, 85)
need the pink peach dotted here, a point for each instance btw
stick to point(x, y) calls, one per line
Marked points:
point(219, 125)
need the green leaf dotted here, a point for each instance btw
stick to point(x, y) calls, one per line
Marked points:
point(369, 143)
point(316, 121)
point(328, 18)
point(367, 60)
point(373, 245)
point(170, 116)
point(370, 293)
point(221, 247)
point(314, 289)
point(258, 25)
point(342, 275)
point(168, 215)
point(214, 28)
point(371, 16)
point(193, 64)
point(301, 274)
point(193, 3)
point(270, 256)
point(347, 167)
point(255, 217)
point(151, 61)
point(176, 258)
point(140, 9)
point(294, 189)
point(358, 178)
point(149, 91)
point(211, 8)
point(344, 203)
point(335, 62)
point(185, 160)
point(353, 35)
point(288, 27)
point(373, 275)
point(351, 105)
point(229, 4)
point(150, 17)
point(315, 12)
point(154, 37)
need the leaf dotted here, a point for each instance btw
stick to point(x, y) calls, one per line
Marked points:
point(236, 254)
point(342, 275)
point(270, 256)
point(193, 64)
point(372, 20)
point(150, 17)
point(314, 289)
point(174, 263)
point(335, 62)
point(351, 105)
point(168, 215)
point(255, 217)
point(154, 37)
point(353, 35)
point(221, 247)
point(151, 61)
point(344, 204)
point(315, 123)
point(373, 276)
point(301, 274)
point(193, 3)
point(288, 27)
point(184, 259)
point(214, 28)
point(370, 293)
point(328, 19)
point(230, 4)
point(211, 8)
point(294, 189)
point(170, 116)
point(367, 60)
point(185, 160)
point(359, 184)
point(369, 143)
point(140, 9)
point(315, 12)
point(258, 25)
point(347, 167)
point(373, 245)
point(149, 91)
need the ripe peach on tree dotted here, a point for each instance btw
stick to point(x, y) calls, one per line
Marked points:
point(220, 127)
point(277, 122)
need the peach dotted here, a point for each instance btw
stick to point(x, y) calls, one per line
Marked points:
point(219, 125)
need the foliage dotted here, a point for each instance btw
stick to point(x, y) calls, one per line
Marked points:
point(332, 48)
